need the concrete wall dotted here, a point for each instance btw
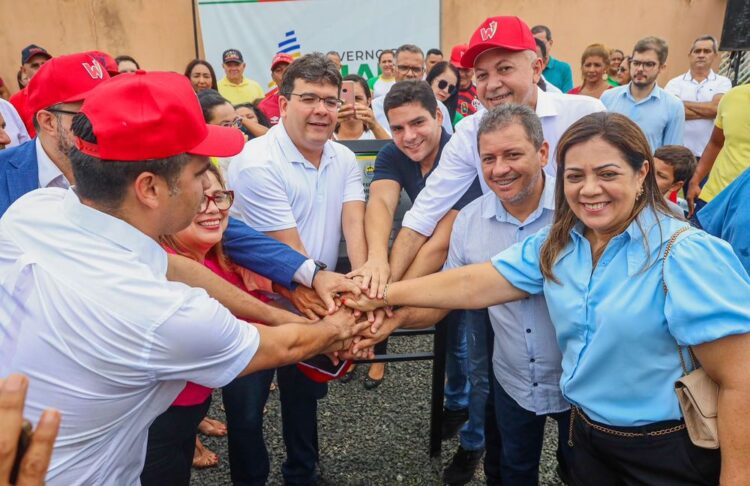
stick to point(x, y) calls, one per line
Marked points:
point(577, 23)
point(159, 33)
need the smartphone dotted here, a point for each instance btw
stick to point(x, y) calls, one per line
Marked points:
point(23, 444)
point(347, 92)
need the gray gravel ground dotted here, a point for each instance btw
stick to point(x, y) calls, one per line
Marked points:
point(377, 437)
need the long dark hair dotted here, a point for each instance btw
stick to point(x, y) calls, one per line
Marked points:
point(452, 102)
point(195, 62)
point(624, 135)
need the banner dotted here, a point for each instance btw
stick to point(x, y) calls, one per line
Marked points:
point(357, 29)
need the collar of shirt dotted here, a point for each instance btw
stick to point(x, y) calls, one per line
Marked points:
point(544, 105)
point(655, 93)
point(649, 223)
point(292, 153)
point(242, 83)
point(49, 174)
point(498, 211)
point(117, 231)
point(688, 76)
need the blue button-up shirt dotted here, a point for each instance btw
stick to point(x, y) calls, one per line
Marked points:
point(615, 326)
point(660, 115)
point(526, 357)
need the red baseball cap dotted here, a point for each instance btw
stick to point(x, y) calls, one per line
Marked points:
point(105, 60)
point(457, 53)
point(510, 33)
point(281, 58)
point(64, 79)
point(142, 116)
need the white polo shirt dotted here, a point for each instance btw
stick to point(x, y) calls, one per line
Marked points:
point(379, 112)
point(460, 164)
point(276, 188)
point(698, 132)
point(87, 314)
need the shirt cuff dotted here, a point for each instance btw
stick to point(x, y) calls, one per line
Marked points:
point(305, 273)
point(424, 228)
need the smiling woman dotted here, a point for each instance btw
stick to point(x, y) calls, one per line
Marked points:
point(594, 68)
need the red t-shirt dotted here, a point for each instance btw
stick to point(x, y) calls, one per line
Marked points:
point(270, 106)
point(195, 394)
point(19, 101)
point(468, 103)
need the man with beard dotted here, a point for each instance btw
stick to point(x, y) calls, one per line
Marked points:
point(659, 114)
point(55, 95)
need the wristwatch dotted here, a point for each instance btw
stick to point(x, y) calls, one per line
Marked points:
point(318, 267)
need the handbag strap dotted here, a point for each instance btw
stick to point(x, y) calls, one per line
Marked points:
point(667, 250)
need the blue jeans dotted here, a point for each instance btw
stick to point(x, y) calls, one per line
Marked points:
point(514, 439)
point(456, 364)
point(244, 399)
point(478, 333)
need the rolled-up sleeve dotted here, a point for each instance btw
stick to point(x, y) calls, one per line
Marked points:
point(519, 264)
point(708, 290)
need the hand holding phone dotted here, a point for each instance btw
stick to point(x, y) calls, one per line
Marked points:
point(347, 92)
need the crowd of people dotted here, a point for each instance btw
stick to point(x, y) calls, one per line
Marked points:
point(164, 234)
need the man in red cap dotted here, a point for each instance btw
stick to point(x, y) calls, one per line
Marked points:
point(468, 103)
point(90, 313)
point(32, 59)
point(270, 104)
point(55, 95)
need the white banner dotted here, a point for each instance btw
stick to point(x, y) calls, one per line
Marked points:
point(357, 29)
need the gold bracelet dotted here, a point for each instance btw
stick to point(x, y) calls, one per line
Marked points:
point(385, 294)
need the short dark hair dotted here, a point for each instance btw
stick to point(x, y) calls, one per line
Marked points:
point(210, 99)
point(706, 37)
point(680, 158)
point(509, 114)
point(409, 48)
point(124, 57)
point(106, 182)
point(652, 43)
point(380, 55)
point(542, 47)
point(195, 62)
point(434, 52)
point(262, 118)
point(542, 28)
point(411, 91)
point(313, 68)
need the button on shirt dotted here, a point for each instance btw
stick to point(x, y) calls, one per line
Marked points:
point(49, 174)
point(697, 132)
point(276, 188)
point(526, 358)
point(615, 326)
point(660, 115)
point(460, 164)
point(87, 314)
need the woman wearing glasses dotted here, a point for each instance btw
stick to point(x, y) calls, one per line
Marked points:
point(623, 72)
point(357, 121)
point(443, 79)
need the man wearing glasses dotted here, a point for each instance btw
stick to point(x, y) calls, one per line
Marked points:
point(659, 114)
point(55, 94)
point(409, 65)
point(299, 187)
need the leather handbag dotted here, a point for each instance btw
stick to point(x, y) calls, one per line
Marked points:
point(697, 393)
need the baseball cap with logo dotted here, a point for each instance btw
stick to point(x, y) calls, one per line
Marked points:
point(281, 58)
point(105, 60)
point(231, 55)
point(64, 79)
point(152, 115)
point(510, 33)
point(457, 53)
point(33, 50)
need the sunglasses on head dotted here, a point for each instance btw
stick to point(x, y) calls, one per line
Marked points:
point(443, 84)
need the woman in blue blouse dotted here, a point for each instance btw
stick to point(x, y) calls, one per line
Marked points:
point(600, 267)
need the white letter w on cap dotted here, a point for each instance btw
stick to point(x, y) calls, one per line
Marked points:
point(94, 69)
point(489, 32)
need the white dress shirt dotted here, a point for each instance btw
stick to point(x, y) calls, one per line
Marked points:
point(460, 164)
point(50, 174)
point(276, 188)
point(377, 109)
point(87, 314)
point(14, 126)
point(697, 132)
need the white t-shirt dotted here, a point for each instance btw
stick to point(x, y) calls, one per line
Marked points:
point(377, 109)
point(276, 188)
point(460, 164)
point(697, 132)
point(381, 87)
point(87, 314)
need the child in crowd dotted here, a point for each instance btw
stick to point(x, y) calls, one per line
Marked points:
point(674, 166)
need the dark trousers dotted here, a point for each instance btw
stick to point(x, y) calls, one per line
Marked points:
point(513, 440)
point(244, 399)
point(667, 460)
point(171, 443)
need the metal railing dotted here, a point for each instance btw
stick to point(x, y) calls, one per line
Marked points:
point(735, 63)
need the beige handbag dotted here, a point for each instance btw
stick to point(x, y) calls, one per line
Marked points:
point(697, 393)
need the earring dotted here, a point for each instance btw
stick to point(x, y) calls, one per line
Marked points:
point(639, 193)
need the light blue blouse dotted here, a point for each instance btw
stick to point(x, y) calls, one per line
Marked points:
point(615, 326)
